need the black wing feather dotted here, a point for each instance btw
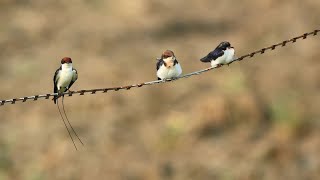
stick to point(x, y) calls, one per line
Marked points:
point(55, 88)
point(72, 81)
point(213, 55)
point(159, 63)
point(175, 62)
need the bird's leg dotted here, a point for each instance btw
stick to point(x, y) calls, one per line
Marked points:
point(164, 79)
point(174, 78)
point(57, 96)
point(168, 79)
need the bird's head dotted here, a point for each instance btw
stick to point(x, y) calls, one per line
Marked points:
point(224, 45)
point(66, 60)
point(168, 54)
point(66, 63)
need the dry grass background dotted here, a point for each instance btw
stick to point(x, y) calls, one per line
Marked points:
point(258, 119)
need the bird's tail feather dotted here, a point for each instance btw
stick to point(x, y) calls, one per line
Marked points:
point(66, 125)
point(64, 111)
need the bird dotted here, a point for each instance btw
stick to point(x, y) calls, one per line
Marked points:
point(222, 54)
point(64, 77)
point(168, 66)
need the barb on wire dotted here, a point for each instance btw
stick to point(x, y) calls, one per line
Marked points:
point(104, 90)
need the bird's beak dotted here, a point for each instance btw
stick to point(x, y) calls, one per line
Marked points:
point(231, 47)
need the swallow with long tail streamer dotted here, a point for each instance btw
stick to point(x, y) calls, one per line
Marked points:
point(63, 79)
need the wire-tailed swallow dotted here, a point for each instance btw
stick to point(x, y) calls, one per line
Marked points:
point(63, 79)
point(168, 66)
point(223, 54)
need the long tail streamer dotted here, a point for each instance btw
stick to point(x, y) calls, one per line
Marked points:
point(64, 122)
point(64, 111)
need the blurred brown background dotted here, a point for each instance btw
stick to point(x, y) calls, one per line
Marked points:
point(258, 119)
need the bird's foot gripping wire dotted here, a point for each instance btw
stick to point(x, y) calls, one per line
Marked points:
point(174, 78)
point(56, 97)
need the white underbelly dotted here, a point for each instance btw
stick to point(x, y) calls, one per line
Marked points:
point(227, 57)
point(167, 73)
point(64, 81)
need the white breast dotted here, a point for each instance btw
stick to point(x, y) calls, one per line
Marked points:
point(167, 73)
point(227, 57)
point(65, 78)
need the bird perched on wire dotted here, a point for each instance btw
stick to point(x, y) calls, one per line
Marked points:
point(222, 54)
point(63, 79)
point(168, 66)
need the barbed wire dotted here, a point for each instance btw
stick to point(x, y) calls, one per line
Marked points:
point(104, 90)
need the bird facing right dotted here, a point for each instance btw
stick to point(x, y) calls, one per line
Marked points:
point(222, 54)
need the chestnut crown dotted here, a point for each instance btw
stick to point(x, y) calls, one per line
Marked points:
point(66, 60)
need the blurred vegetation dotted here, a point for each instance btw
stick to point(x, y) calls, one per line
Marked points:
point(258, 119)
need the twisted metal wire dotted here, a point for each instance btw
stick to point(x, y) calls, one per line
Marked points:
point(104, 90)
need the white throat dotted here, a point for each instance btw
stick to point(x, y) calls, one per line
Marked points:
point(169, 59)
point(66, 67)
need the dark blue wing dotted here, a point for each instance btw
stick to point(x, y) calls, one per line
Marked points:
point(213, 55)
point(159, 63)
point(55, 75)
point(175, 62)
point(55, 88)
point(74, 78)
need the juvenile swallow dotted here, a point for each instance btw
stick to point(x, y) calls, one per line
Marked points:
point(63, 79)
point(168, 66)
point(223, 54)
